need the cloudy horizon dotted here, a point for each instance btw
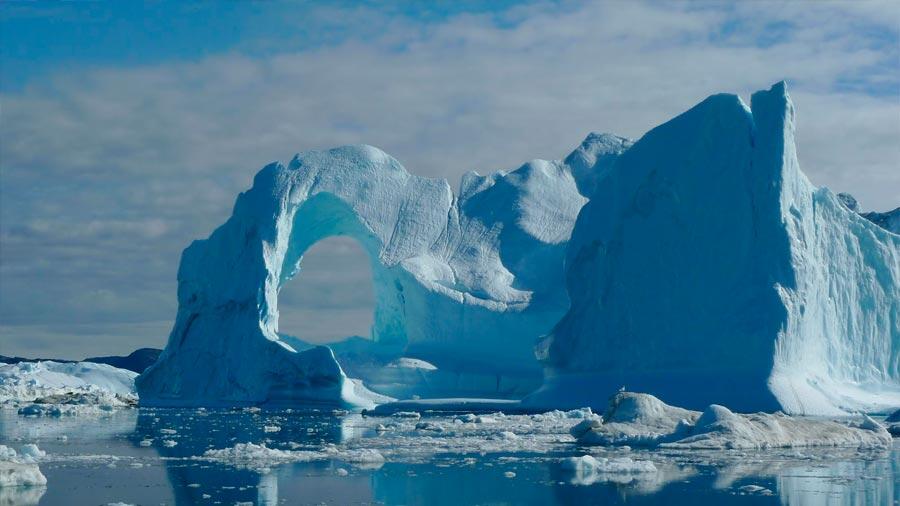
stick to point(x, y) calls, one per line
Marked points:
point(127, 131)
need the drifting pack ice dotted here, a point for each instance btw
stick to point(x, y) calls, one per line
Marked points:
point(705, 268)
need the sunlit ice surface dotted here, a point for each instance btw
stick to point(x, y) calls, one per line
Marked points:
point(191, 456)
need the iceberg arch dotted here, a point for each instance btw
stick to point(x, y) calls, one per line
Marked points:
point(466, 283)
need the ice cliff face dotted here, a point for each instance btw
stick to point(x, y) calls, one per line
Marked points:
point(466, 283)
point(706, 268)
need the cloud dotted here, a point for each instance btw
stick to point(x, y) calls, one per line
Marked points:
point(108, 172)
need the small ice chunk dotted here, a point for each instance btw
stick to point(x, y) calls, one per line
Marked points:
point(755, 489)
point(429, 426)
point(587, 469)
point(32, 451)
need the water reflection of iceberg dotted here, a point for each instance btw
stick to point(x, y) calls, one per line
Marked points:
point(810, 476)
point(21, 496)
point(457, 485)
point(196, 431)
point(870, 482)
point(857, 480)
point(105, 425)
point(267, 490)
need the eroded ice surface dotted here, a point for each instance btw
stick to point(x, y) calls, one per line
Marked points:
point(706, 268)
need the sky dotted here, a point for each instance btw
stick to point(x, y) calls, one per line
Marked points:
point(127, 129)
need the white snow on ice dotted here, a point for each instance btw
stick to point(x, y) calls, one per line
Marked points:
point(50, 388)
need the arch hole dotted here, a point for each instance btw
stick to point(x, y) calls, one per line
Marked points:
point(332, 296)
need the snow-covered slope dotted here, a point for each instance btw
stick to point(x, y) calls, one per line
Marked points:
point(465, 283)
point(56, 382)
point(708, 269)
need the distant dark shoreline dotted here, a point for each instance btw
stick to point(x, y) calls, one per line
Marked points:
point(136, 361)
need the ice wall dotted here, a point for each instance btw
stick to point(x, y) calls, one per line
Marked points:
point(706, 268)
point(466, 283)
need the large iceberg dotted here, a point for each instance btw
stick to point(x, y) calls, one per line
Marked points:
point(466, 283)
point(706, 269)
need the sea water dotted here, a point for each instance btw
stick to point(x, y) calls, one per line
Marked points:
point(190, 456)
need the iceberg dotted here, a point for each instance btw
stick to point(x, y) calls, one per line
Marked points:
point(65, 388)
point(707, 269)
point(465, 283)
point(698, 263)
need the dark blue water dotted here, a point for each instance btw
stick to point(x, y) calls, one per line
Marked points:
point(99, 460)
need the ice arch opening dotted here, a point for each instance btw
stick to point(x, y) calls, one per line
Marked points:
point(331, 297)
point(323, 217)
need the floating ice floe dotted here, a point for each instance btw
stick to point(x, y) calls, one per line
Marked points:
point(636, 419)
point(259, 457)
point(587, 470)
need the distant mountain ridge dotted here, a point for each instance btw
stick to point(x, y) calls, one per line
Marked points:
point(136, 361)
